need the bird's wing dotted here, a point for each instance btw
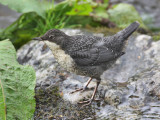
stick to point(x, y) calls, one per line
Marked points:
point(81, 42)
point(94, 56)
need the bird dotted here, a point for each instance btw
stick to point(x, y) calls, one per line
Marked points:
point(87, 55)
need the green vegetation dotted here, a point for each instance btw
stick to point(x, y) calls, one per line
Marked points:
point(25, 6)
point(38, 17)
point(156, 36)
point(125, 14)
point(17, 85)
point(17, 82)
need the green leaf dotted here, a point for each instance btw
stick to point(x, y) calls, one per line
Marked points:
point(123, 14)
point(101, 12)
point(22, 30)
point(24, 6)
point(64, 6)
point(81, 8)
point(17, 85)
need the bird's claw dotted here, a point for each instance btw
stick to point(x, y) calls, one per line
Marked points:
point(86, 103)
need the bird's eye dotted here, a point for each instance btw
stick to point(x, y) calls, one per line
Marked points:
point(51, 36)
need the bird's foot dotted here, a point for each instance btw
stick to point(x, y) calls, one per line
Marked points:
point(84, 88)
point(88, 102)
point(80, 89)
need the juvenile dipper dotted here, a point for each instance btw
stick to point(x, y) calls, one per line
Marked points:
point(87, 55)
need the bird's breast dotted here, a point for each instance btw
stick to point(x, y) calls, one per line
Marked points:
point(62, 58)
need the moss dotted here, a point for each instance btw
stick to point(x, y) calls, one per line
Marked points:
point(50, 105)
point(55, 92)
point(156, 37)
point(123, 14)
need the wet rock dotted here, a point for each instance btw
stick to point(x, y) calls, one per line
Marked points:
point(129, 90)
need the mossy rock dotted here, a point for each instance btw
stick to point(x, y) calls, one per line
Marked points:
point(123, 14)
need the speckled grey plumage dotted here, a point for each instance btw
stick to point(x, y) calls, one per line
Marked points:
point(89, 55)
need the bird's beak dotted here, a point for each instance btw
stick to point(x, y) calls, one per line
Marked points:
point(37, 38)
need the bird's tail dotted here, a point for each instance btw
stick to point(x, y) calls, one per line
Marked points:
point(125, 33)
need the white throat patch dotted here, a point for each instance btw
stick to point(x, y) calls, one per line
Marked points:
point(62, 58)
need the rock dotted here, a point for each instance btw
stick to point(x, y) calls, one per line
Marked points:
point(113, 97)
point(7, 16)
point(129, 90)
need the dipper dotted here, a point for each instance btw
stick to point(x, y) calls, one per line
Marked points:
point(87, 55)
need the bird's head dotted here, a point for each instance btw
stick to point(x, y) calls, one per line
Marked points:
point(53, 35)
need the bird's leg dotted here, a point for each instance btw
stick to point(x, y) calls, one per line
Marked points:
point(84, 88)
point(88, 102)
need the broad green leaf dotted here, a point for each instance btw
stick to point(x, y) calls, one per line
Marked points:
point(123, 14)
point(24, 6)
point(101, 12)
point(17, 85)
point(81, 8)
